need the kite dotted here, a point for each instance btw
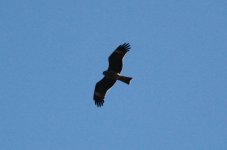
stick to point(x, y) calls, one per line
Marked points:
point(112, 74)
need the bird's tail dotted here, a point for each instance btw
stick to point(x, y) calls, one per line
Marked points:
point(125, 79)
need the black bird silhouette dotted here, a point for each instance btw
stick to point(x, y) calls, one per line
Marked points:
point(112, 74)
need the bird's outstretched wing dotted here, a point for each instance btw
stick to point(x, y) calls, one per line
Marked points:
point(116, 58)
point(101, 88)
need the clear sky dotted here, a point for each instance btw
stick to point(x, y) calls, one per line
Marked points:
point(53, 52)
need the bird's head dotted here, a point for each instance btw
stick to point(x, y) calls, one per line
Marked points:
point(104, 73)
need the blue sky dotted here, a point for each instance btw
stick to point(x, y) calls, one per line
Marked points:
point(53, 52)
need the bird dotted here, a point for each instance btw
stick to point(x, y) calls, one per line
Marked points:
point(112, 74)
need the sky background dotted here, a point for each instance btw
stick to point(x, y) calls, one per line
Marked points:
point(53, 52)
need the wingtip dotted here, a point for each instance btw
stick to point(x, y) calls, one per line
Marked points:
point(126, 46)
point(99, 103)
point(99, 99)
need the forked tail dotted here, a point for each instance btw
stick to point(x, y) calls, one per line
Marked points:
point(125, 79)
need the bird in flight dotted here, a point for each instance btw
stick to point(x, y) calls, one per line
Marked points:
point(112, 74)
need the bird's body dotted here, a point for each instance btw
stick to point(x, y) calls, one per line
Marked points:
point(112, 74)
